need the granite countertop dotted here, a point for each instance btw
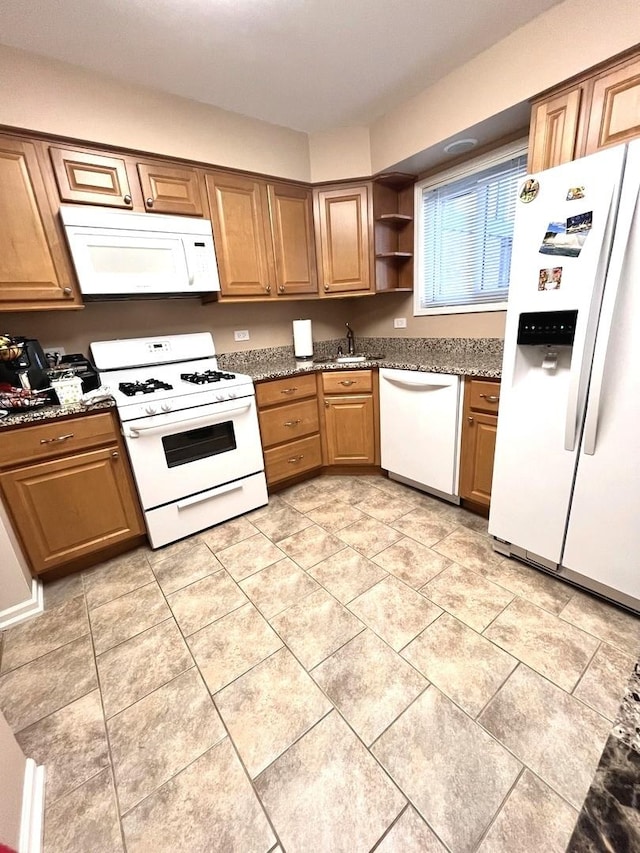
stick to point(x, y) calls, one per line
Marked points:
point(51, 413)
point(461, 356)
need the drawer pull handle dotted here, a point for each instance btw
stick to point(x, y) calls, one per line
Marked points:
point(292, 423)
point(491, 398)
point(347, 382)
point(294, 459)
point(470, 420)
point(288, 390)
point(58, 438)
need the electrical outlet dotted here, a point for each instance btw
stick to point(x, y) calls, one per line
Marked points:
point(241, 335)
point(400, 323)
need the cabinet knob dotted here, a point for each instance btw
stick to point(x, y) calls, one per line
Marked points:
point(115, 455)
point(268, 288)
point(326, 287)
point(326, 404)
point(127, 199)
point(67, 291)
point(281, 288)
point(149, 202)
point(470, 420)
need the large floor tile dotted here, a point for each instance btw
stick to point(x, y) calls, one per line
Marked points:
point(410, 834)
point(544, 642)
point(175, 569)
point(468, 548)
point(326, 793)
point(229, 647)
point(304, 496)
point(84, 820)
point(603, 684)
point(615, 626)
point(533, 819)
point(531, 584)
point(462, 664)
point(208, 806)
point(277, 587)
point(71, 742)
point(385, 507)
point(161, 734)
point(249, 556)
point(270, 707)
point(117, 577)
point(281, 522)
point(425, 525)
point(141, 665)
point(49, 631)
point(315, 627)
point(412, 562)
point(394, 611)
point(204, 601)
point(231, 532)
point(45, 685)
point(310, 546)
point(351, 490)
point(347, 574)
point(335, 515)
point(454, 773)
point(369, 536)
point(369, 684)
point(57, 592)
point(395, 489)
point(555, 735)
point(126, 616)
point(467, 595)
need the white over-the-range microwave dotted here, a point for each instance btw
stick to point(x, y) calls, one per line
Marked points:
point(119, 254)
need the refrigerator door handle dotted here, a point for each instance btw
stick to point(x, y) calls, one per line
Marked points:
point(626, 216)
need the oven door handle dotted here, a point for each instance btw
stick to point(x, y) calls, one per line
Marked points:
point(134, 432)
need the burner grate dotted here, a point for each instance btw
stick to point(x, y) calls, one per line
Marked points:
point(206, 377)
point(131, 389)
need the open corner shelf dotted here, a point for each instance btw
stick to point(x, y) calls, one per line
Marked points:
point(398, 255)
point(394, 218)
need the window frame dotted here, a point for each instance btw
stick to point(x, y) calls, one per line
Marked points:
point(448, 176)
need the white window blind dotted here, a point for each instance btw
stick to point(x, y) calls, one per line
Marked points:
point(466, 232)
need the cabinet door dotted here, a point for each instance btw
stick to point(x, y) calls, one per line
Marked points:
point(615, 107)
point(477, 452)
point(34, 271)
point(350, 432)
point(170, 190)
point(554, 131)
point(291, 217)
point(71, 507)
point(91, 178)
point(238, 207)
point(343, 237)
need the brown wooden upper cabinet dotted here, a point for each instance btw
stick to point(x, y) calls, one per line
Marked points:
point(34, 270)
point(598, 109)
point(264, 236)
point(342, 221)
point(109, 180)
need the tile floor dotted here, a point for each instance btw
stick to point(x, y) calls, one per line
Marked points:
point(351, 668)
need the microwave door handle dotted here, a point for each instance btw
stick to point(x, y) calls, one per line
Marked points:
point(134, 432)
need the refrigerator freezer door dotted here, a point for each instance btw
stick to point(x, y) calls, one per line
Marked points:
point(543, 390)
point(603, 537)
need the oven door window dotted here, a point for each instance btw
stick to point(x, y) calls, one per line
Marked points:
point(194, 444)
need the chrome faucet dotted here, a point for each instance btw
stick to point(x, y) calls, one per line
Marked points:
point(351, 341)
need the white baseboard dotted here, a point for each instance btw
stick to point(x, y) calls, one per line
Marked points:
point(32, 820)
point(26, 609)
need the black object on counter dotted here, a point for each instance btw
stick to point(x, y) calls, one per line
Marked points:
point(28, 369)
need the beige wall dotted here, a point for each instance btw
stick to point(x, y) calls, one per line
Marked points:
point(269, 324)
point(554, 46)
point(341, 153)
point(53, 97)
point(12, 765)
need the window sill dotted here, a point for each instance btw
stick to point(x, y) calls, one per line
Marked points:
point(460, 309)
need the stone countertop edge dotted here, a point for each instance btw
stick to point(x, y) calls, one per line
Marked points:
point(45, 414)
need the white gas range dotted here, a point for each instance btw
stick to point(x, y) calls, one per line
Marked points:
point(191, 431)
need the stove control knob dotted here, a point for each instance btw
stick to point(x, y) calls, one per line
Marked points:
point(232, 395)
point(166, 407)
point(220, 397)
point(150, 410)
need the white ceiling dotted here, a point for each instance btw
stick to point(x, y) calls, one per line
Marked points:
point(306, 64)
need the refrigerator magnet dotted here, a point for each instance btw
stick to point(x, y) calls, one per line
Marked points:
point(549, 279)
point(529, 191)
point(574, 193)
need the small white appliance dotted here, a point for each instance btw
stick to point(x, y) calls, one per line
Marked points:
point(120, 253)
point(565, 484)
point(420, 429)
point(191, 431)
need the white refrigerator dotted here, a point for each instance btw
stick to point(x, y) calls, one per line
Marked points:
point(566, 484)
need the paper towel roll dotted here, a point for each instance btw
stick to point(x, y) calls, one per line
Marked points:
point(302, 340)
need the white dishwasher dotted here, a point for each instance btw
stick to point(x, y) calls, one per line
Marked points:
point(420, 429)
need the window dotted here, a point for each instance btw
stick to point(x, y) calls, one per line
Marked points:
point(464, 235)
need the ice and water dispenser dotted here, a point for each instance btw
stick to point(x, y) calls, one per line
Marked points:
point(548, 330)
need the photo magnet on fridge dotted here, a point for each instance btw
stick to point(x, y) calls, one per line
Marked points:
point(550, 279)
point(575, 193)
point(567, 238)
point(529, 191)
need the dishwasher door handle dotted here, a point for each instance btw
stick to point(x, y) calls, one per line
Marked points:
point(411, 383)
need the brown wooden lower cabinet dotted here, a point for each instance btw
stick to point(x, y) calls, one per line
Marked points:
point(74, 504)
point(349, 429)
point(479, 425)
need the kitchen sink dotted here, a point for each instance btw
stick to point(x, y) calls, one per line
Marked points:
point(346, 359)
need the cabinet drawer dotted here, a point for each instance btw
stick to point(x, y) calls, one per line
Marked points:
point(293, 458)
point(484, 396)
point(55, 438)
point(284, 390)
point(346, 381)
point(284, 423)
